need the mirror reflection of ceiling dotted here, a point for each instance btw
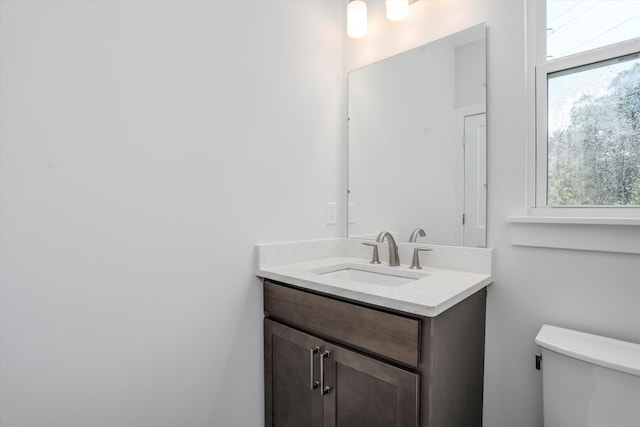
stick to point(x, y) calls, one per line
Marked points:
point(417, 143)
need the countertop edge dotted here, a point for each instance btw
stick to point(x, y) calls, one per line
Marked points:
point(377, 300)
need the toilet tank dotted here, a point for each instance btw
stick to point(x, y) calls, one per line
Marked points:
point(588, 380)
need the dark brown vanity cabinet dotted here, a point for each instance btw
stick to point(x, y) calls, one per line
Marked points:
point(337, 363)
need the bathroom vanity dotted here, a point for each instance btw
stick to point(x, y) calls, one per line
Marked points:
point(339, 352)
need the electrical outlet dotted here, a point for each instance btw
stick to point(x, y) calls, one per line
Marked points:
point(331, 213)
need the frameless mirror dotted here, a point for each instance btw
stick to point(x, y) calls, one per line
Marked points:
point(417, 143)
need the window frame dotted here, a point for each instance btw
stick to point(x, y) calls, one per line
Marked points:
point(538, 69)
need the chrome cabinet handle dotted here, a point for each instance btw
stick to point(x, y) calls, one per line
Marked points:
point(313, 382)
point(323, 389)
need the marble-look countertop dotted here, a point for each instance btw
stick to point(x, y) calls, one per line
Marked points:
point(298, 263)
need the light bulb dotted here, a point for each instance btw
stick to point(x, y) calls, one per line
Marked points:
point(397, 10)
point(356, 19)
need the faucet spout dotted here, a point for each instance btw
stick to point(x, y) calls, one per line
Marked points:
point(394, 258)
point(414, 236)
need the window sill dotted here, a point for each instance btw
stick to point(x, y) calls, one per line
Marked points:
point(620, 235)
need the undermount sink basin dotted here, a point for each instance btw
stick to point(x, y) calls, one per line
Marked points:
point(362, 274)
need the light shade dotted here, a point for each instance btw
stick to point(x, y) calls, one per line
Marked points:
point(397, 10)
point(357, 19)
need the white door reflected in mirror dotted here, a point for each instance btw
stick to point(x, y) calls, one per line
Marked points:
point(475, 181)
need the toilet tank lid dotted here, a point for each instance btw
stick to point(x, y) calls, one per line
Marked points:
point(614, 354)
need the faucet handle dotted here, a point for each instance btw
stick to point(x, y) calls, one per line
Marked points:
point(415, 264)
point(375, 259)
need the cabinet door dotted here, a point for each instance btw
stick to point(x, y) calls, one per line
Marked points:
point(291, 370)
point(367, 392)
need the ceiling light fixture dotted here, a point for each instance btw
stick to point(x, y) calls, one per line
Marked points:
point(356, 19)
point(397, 10)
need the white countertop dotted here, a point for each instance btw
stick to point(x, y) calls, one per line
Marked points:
point(427, 296)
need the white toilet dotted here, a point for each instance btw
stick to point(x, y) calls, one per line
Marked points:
point(588, 380)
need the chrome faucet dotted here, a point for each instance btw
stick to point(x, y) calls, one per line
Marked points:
point(394, 258)
point(414, 236)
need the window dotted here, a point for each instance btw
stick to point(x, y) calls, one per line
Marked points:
point(587, 107)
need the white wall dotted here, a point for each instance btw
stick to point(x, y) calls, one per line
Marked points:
point(145, 148)
point(590, 291)
point(470, 74)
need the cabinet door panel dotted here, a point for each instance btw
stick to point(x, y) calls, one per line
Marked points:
point(368, 392)
point(290, 401)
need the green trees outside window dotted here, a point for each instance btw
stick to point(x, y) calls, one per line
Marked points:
point(594, 159)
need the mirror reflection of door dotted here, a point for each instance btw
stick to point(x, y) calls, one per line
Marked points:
point(475, 181)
